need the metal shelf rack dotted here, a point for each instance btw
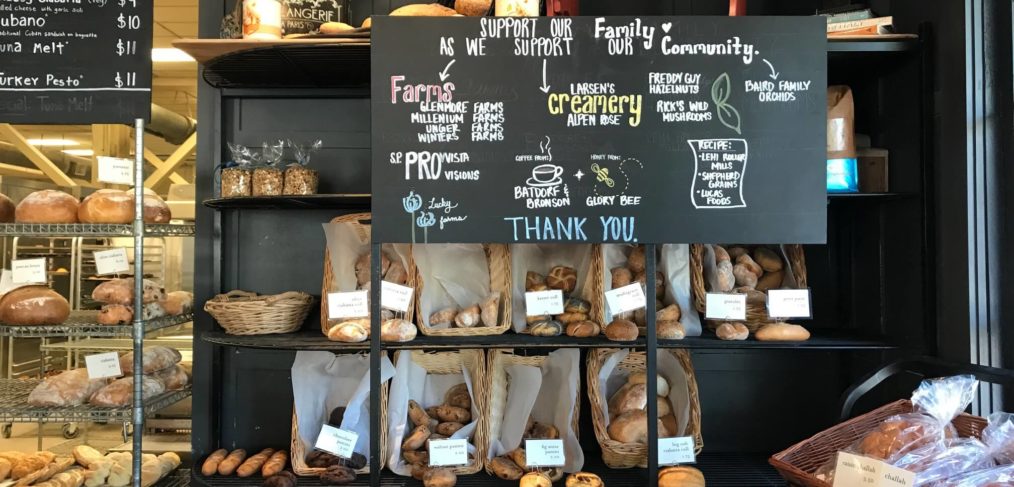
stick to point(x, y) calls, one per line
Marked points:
point(83, 324)
point(93, 230)
point(14, 407)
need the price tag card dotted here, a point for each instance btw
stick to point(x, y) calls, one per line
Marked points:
point(6, 281)
point(853, 470)
point(626, 298)
point(448, 453)
point(103, 365)
point(115, 170)
point(29, 271)
point(395, 297)
point(112, 261)
point(336, 441)
point(789, 303)
point(672, 451)
point(725, 306)
point(540, 303)
point(544, 453)
point(354, 304)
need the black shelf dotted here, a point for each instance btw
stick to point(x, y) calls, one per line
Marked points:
point(300, 340)
point(870, 196)
point(872, 45)
point(323, 65)
point(819, 340)
point(316, 201)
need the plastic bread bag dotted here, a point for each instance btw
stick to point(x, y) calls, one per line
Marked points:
point(236, 174)
point(957, 456)
point(300, 180)
point(992, 477)
point(268, 178)
point(999, 437)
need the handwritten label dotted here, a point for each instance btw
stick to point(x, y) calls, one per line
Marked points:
point(448, 453)
point(112, 261)
point(672, 451)
point(103, 365)
point(544, 453)
point(115, 170)
point(626, 298)
point(853, 470)
point(719, 168)
point(354, 304)
point(725, 306)
point(336, 441)
point(789, 303)
point(540, 303)
point(6, 282)
point(29, 271)
point(395, 297)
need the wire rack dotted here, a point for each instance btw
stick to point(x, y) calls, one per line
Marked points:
point(84, 324)
point(14, 407)
point(93, 230)
point(177, 478)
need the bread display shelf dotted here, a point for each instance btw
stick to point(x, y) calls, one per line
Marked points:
point(96, 345)
point(93, 230)
point(84, 324)
point(316, 201)
point(873, 44)
point(177, 478)
point(14, 407)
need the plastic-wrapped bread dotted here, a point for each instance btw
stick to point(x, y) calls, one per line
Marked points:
point(120, 392)
point(155, 358)
point(121, 291)
point(69, 388)
point(174, 378)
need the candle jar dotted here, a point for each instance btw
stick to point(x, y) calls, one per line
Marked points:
point(262, 19)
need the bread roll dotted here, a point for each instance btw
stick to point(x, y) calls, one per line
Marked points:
point(767, 259)
point(637, 261)
point(725, 277)
point(563, 278)
point(367, 23)
point(6, 211)
point(584, 479)
point(421, 457)
point(121, 291)
point(630, 427)
point(621, 276)
point(351, 331)
point(744, 276)
point(720, 253)
point(120, 392)
point(33, 305)
point(396, 273)
point(770, 280)
point(747, 261)
point(782, 332)
point(85, 455)
point(178, 302)
point(397, 330)
point(546, 328)
point(735, 252)
point(532, 280)
point(449, 428)
point(439, 477)
point(47, 206)
point(444, 317)
point(543, 431)
point(155, 209)
point(670, 330)
point(669, 313)
point(68, 388)
point(505, 468)
point(453, 414)
point(535, 479)
point(732, 331)
point(115, 314)
point(680, 476)
point(621, 330)
point(630, 397)
point(106, 206)
point(490, 309)
point(473, 8)
point(661, 384)
point(583, 329)
point(568, 318)
point(416, 439)
point(335, 28)
point(424, 10)
point(468, 317)
point(154, 359)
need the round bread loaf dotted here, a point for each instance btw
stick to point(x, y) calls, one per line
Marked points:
point(106, 206)
point(681, 476)
point(621, 330)
point(6, 209)
point(155, 209)
point(424, 10)
point(47, 206)
point(34, 305)
point(473, 8)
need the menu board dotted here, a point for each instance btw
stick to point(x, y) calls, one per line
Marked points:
point(608, 129)
point(75, 61)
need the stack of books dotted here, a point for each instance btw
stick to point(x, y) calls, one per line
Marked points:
point(853, 20)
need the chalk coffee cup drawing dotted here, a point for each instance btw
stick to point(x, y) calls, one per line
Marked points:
point(546, 175)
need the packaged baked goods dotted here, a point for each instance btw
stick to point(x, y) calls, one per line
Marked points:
point(268, 179)
point(237, 174)
point(33, 305)
point(999, 437)
point(47, 206)
point(68, 388)
point(299, 178)
point(991, 477)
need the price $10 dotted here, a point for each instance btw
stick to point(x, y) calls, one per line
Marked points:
point(132, 22)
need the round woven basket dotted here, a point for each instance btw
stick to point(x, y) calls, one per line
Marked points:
point(247, 313)
point(756, 314)
point(616, 454)
point(299, 453)
point(498, 259)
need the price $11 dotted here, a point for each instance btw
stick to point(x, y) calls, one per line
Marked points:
point(128, 48)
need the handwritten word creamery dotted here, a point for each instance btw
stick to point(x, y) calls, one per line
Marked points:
point(596, 129)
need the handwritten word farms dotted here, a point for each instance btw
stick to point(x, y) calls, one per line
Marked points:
point(556, 229)
point(430, 165)
point(420, 92)
point(584, 108)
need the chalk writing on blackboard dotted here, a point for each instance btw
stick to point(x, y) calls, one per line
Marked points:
point(719, 168)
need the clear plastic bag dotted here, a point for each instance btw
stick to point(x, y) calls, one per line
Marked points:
point(236, 175)
point(999, 437)
point(268, 179)
point(299, 179)
point(993, 477)
point(953, 457)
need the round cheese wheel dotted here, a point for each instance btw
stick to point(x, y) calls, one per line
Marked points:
point(34, 305)
point(47, 206)
point(106, 206)
point(6, 209)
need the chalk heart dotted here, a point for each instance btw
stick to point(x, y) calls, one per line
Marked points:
point(666, 26)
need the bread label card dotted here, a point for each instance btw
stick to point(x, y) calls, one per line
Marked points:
point(725, 306)
point(672, 451)
point(336, 441)
point(789, 303)
point(853, 470)
point(448, 453)
point(395, 297)
point(29, 271)
point(540, 303)
point(103, 365)
point(544, 453)
point(626, 298)
point(112, 261)
point(115, 170)
point(354, 304)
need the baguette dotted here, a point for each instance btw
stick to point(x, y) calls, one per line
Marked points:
point(254, 463)
point(782, 332)
point(275, 464)
point(210, 466)
point(231, 462)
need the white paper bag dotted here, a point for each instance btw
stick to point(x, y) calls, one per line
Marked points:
point(541, 258)
point(345, 245)
point(453, 275)
point(322, 381)
point(612, 378)
point(674, 264)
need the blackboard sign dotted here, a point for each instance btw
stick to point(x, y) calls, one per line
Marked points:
point(612, 129)
point(75, 61)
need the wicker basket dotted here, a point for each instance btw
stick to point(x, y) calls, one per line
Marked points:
point(498, 258)
point(361, 221)
point(592, 293)
point(247, 313)
point(756, 314)
point(798, 462)
point(298, 455)
point(451, 363)
point(497, 388)
point(628, 455)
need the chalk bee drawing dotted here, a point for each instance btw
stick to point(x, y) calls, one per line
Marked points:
point(613, 182)
point(411, 204)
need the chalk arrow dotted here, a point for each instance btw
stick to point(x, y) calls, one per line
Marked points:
point(544, 87)
point(774, 74)
point(444, 74)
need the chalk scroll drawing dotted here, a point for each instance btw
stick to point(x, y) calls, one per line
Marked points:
point(616, 182)
point(412, 203)
point(719, 169)
point(721, 89)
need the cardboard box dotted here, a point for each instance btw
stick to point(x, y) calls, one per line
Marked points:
point(873, 170)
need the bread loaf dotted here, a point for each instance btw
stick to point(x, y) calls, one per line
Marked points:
point(468, 317)
point(6, 213)
point(744, 276)
point(669, 313)
point(621, 330)
point(121, 291)
point(351, 331)
point(630, 397)
point(178, 302)
point(782, 332)
point(768, 259)
point(33, 305)
point(473, 8)
point(720, 253)
point(106, 206)
point(173, 378)
point(490, 309)
point(747, 261)
point(155, 358)
point(583, 329)
point(681, 476)
point(47, 206)
point(232, 462)
point(424, 10)
point(670, 330)
point(210, 466)
point(637, 261)
point(335, 28)
point(621, 276)
point(630, 427)
point(725, 277)
point(770, 280)
point(397, 330)
point(120, 392)
point(155, 209)
point(732, 331)
point(505, 468)
point(584, 479)
point(563, 278)
point(68, 388)
point(535, 479)
point(275, 464)
point(253, 464)
point(115, 314)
